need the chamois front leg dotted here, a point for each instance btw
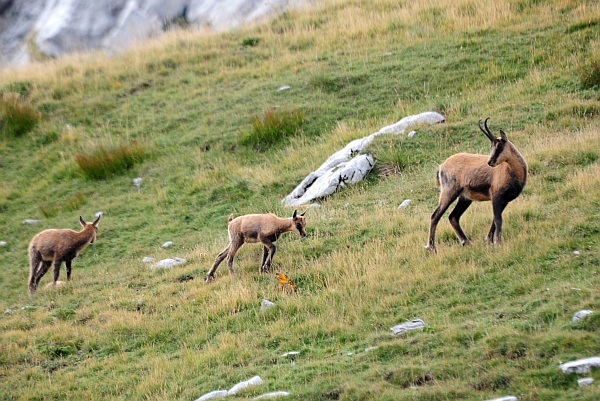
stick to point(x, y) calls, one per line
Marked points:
point(235, 245)
point(498, 207)
point(56, 271)
point(211, 273)
point(267, 243)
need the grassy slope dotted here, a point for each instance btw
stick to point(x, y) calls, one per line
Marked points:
point(498, 319)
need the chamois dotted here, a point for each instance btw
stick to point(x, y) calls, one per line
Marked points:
point(264, 228)
point(56, 246)
point(499, 177)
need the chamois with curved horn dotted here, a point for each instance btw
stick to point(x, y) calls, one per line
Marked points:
point(499, 177)
point(55, 246)
point(263, 228)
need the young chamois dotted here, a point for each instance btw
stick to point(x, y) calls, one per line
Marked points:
point(55, 246)
point(264, 228)
point(499, 177)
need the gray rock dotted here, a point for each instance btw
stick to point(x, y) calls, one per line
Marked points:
point(254, 381)
point(273, 394)
point(586, 381)
point(8, 311)
point(31, 221)
point(404, 204)
point(506, 398)
point(290, 353)
point(137, 181)
point(213, 394)
point(3, 243)
point(168, 263)
point(283, 88)
point(581, 314)
point(579, 366)
point(147, 259)
point(411, 134)
point(412, 325)
point(266, 304)
point(167, 244)
point(98, 214)
point(347, 166)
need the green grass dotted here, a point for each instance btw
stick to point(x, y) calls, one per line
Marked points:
point(498, 318)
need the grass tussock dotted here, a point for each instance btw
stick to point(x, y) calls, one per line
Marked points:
point(17, 116)
point(273, 127)
point(104, 161)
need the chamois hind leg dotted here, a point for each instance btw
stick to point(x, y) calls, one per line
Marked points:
point(264, 257)
point(268, 244)
point(35, 260)
point(211, 273)
point(461, 206)
point(41, 271)
point(446, 199)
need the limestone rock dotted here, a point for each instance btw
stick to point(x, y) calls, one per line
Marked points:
point(412, 325)
point(584, 365)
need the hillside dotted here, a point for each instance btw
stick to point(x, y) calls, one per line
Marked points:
point(201, 120)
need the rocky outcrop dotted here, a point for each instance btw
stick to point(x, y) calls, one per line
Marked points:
point(57, 27)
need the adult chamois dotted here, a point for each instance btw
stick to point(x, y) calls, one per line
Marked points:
point(55, 246)
point(264, 228)
point(499, 177)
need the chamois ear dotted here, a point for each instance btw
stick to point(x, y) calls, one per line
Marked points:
point(303, 213)
point(503, 136)
point(294, 215)
point(82, 221)
point(95, 223)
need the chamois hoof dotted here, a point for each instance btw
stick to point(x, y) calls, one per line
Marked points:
point(209, 279)
point(431, 249)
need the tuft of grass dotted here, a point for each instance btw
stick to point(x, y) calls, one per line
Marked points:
point(272, 127)
point(17, 117)
point(589, 72)
point(103, 161)
point(250, 41)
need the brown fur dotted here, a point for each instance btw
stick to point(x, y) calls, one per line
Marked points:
point(499, 177)
point(55, 246)
point(252, 228)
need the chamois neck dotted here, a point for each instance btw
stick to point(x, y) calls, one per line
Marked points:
point(84, 237)
point(518, 164)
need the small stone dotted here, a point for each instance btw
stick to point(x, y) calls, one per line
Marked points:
point(371, 348)
point(167, 244)
point(576, 253)
point(580, 365)
point(283, 88)
point(581, 314)
point(98, 214)
point(27, 307)
point(8, 311)
point(291, 353)
point(349, 353)
point(58, 284)
point(213, 394)
point(31, 221)
point(137, 181)
point(273, 394)
point(411, 134)
point(168, 263)
point(3, 243)
point(147, 259)
point(412, 325)
point(404, 204)
point(266, 304)
point(586, 381)
point(505, 398)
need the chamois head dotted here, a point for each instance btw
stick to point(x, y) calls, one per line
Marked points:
point(299, 224)
point(497, 153)
point(93, 225)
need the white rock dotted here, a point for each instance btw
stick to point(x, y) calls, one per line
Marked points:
point(586, 381)
point(254, 381)
point(168, 263)
point(291, 353)
point(147, 259)
point(371, 348)
point(404, 204)
point(274, 394)
point(411, 134)
point(506, 398)
point(137, 181)
point(581, 314)
point(3, 243)
point(27, 307)
point(412, 325)
point(576, 253)
point(30, 221)
point(8, 311)
point(98, 214)
point(266, 304)
point(283, 88)
point(346, 167)
point(580, 365)
point(167, 244)
point(213, 394)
